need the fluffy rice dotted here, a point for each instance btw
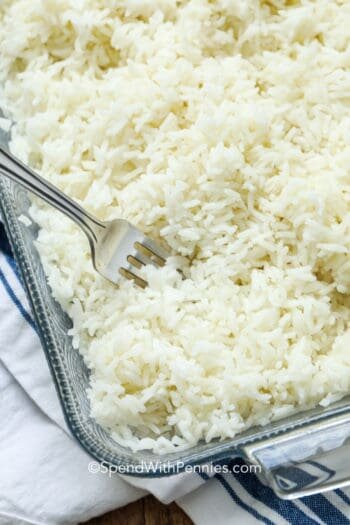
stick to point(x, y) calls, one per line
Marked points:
point(223, 129)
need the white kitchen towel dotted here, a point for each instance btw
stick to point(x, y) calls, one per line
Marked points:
point(44, 474)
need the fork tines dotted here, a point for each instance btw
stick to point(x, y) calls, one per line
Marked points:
point(146, 252)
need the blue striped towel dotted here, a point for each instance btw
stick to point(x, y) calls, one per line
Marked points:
point(44, 475)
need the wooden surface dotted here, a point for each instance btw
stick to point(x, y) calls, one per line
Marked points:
point(146, 511)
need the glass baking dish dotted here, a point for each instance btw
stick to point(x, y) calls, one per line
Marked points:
point(301, 455)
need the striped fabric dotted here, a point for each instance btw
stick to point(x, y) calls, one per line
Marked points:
point(221, 499)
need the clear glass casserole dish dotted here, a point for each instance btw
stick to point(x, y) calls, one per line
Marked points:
point(297, 456)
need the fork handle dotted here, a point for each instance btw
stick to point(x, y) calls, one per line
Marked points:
point(14, 169)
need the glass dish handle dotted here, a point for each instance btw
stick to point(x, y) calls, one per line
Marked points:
point(306, 460)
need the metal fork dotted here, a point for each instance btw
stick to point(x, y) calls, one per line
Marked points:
point(117, 247)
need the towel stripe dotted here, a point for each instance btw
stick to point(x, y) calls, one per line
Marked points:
point(13, 265)
point(339, 492)
point(5, 247)
point(299, 503)
point(232, 494)
point(343, 496)
point(325, 510)
point(239, 497)
point(287, 509)
point(254, 502)
point(241, 503)
point(16, 301)
point(338, 503)
point(9, 269)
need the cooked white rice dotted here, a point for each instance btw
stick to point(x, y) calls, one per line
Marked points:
point(222, 128)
